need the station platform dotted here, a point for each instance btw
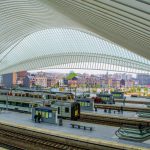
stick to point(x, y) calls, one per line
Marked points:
point(100, 131)
point(125, 113)
point(137, 99)
point(131, 105)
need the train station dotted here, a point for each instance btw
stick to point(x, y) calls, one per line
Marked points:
point(75, 74)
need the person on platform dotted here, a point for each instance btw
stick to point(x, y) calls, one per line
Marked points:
point(35, 118)
point(124, 101)
point(140, 128)
point(39, 117)
point(121, 109)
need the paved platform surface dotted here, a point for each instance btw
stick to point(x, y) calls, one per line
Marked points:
point(100, 131)
point(125, 113)
point(137, 99)
point(131, 105)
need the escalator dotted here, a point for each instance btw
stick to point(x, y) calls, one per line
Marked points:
point(133, 133)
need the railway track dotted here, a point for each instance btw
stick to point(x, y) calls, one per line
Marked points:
point(27, 138)
point(112, 120)
point(116, 107)
point(7, 146)
point(23, 141)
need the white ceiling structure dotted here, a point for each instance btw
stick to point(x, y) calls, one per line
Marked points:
point(126, 23)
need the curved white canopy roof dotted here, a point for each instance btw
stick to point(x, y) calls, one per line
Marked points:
point(123, 22)
point(69, 48)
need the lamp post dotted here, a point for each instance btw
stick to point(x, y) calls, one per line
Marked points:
point(43, 99)
point(7, 102)
point(70, 87)
point(75, 92)
point(50, 86)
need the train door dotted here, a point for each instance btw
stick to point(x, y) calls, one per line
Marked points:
point(59, 111)
point(75, 111)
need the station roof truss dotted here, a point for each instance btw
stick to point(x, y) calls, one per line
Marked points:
point(72, 34)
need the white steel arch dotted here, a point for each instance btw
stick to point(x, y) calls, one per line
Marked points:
point(126, 23)
point(59, 47)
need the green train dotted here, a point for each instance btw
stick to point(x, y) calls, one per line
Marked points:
point(118, 95)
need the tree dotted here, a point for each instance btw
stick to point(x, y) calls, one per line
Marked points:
point(145, 91)
point(139, 90)
point(71, 75)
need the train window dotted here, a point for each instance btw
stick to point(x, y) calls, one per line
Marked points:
point(86, 104)
point(47, 96)
point(2, 102)
point(36, 112)
point(59, 98)
point(27, 94)
point(46, 115)
point(43, 114)
point(50, 115)
point(35, 105)
point(18, 104)
point(66, 110)
point(22, 95)
point(82, 103)
point(64, 98)
point(58, 110)
point(76, 113)
point(25, 105)
point(13, 103)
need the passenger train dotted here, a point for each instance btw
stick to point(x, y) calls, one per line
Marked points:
point(118, 95)
point(39, 94)
point(19, 105)
point(66, 109)
point(104, 98)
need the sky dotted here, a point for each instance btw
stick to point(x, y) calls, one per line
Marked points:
point(78, 71)
point(69, 70)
